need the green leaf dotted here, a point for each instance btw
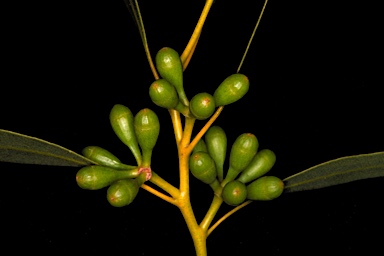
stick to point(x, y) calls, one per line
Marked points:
point(23, 149)
point(337, 171)
point(134, 10)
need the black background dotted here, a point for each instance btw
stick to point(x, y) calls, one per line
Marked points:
point(315, 95)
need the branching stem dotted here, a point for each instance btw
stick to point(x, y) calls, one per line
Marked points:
point(159, 194)
point(204, 129)
point(196, 33)
point(215, 205)
point(188, 58)
point(181, 197)
point(163, 184)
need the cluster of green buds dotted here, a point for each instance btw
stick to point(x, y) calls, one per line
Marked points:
point(244, 178)
point(168, 91)
point(139, 133)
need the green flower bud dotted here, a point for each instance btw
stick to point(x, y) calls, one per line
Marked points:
point(202, 167)
point(216, 141)
point(234, 193)
point(242, 152)
point(121, 119)
point(169, 65)
point(122, 192)
point(105, 158)
point(202, 105)
point(163, 94)
point(231, 89)
point(265, 188)
point(147, 128)
point(260, 165)
point(200, 146)
point(95, 177)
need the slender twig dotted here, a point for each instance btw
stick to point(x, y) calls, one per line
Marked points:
point(164, 185)
point(177, 128)
point(204, 129)
point(227, 215)
point(184, 156)
point(187, 133)
point(188, 58)
point(215, 205)
point(159, 194)
point(196, 33)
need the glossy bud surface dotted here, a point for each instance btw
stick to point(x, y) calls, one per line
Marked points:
point(95, 177)
point(122, 193)
point(163, 94)
point(121, 119)
point(234, 193)
point(202, 167)
point(265, 188)
point(169, 65)
point(242, 152)
point(200, 146)
point(216, 141)
point(202, 105)
point(147, 128)
point(231, 89)
point(104, 157)
point(260, 165)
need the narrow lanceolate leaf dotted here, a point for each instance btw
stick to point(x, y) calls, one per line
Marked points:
point(23, 149)
point(337, 171)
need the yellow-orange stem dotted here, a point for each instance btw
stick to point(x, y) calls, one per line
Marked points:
point(177, 128)
point(204, 129)
point(196, 33)
point(227, 215)
point(189, 57)
point(164, 185)
point(159, 194)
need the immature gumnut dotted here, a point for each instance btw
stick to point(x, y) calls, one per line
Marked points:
point(163, 94)
point(169, 65)
point(96, 177)
point(105, 158)
point(216, 141)
point(122, 192)
point(265, 188)
point(147, 128)
point(260, 165)
point(242, 152)
point(202, 105)
point(121, 119)
point(202, 167)
point(231, 89)
point(234, 193)
point(200, 146)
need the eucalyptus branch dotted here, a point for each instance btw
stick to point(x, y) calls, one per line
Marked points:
point(245, 181)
